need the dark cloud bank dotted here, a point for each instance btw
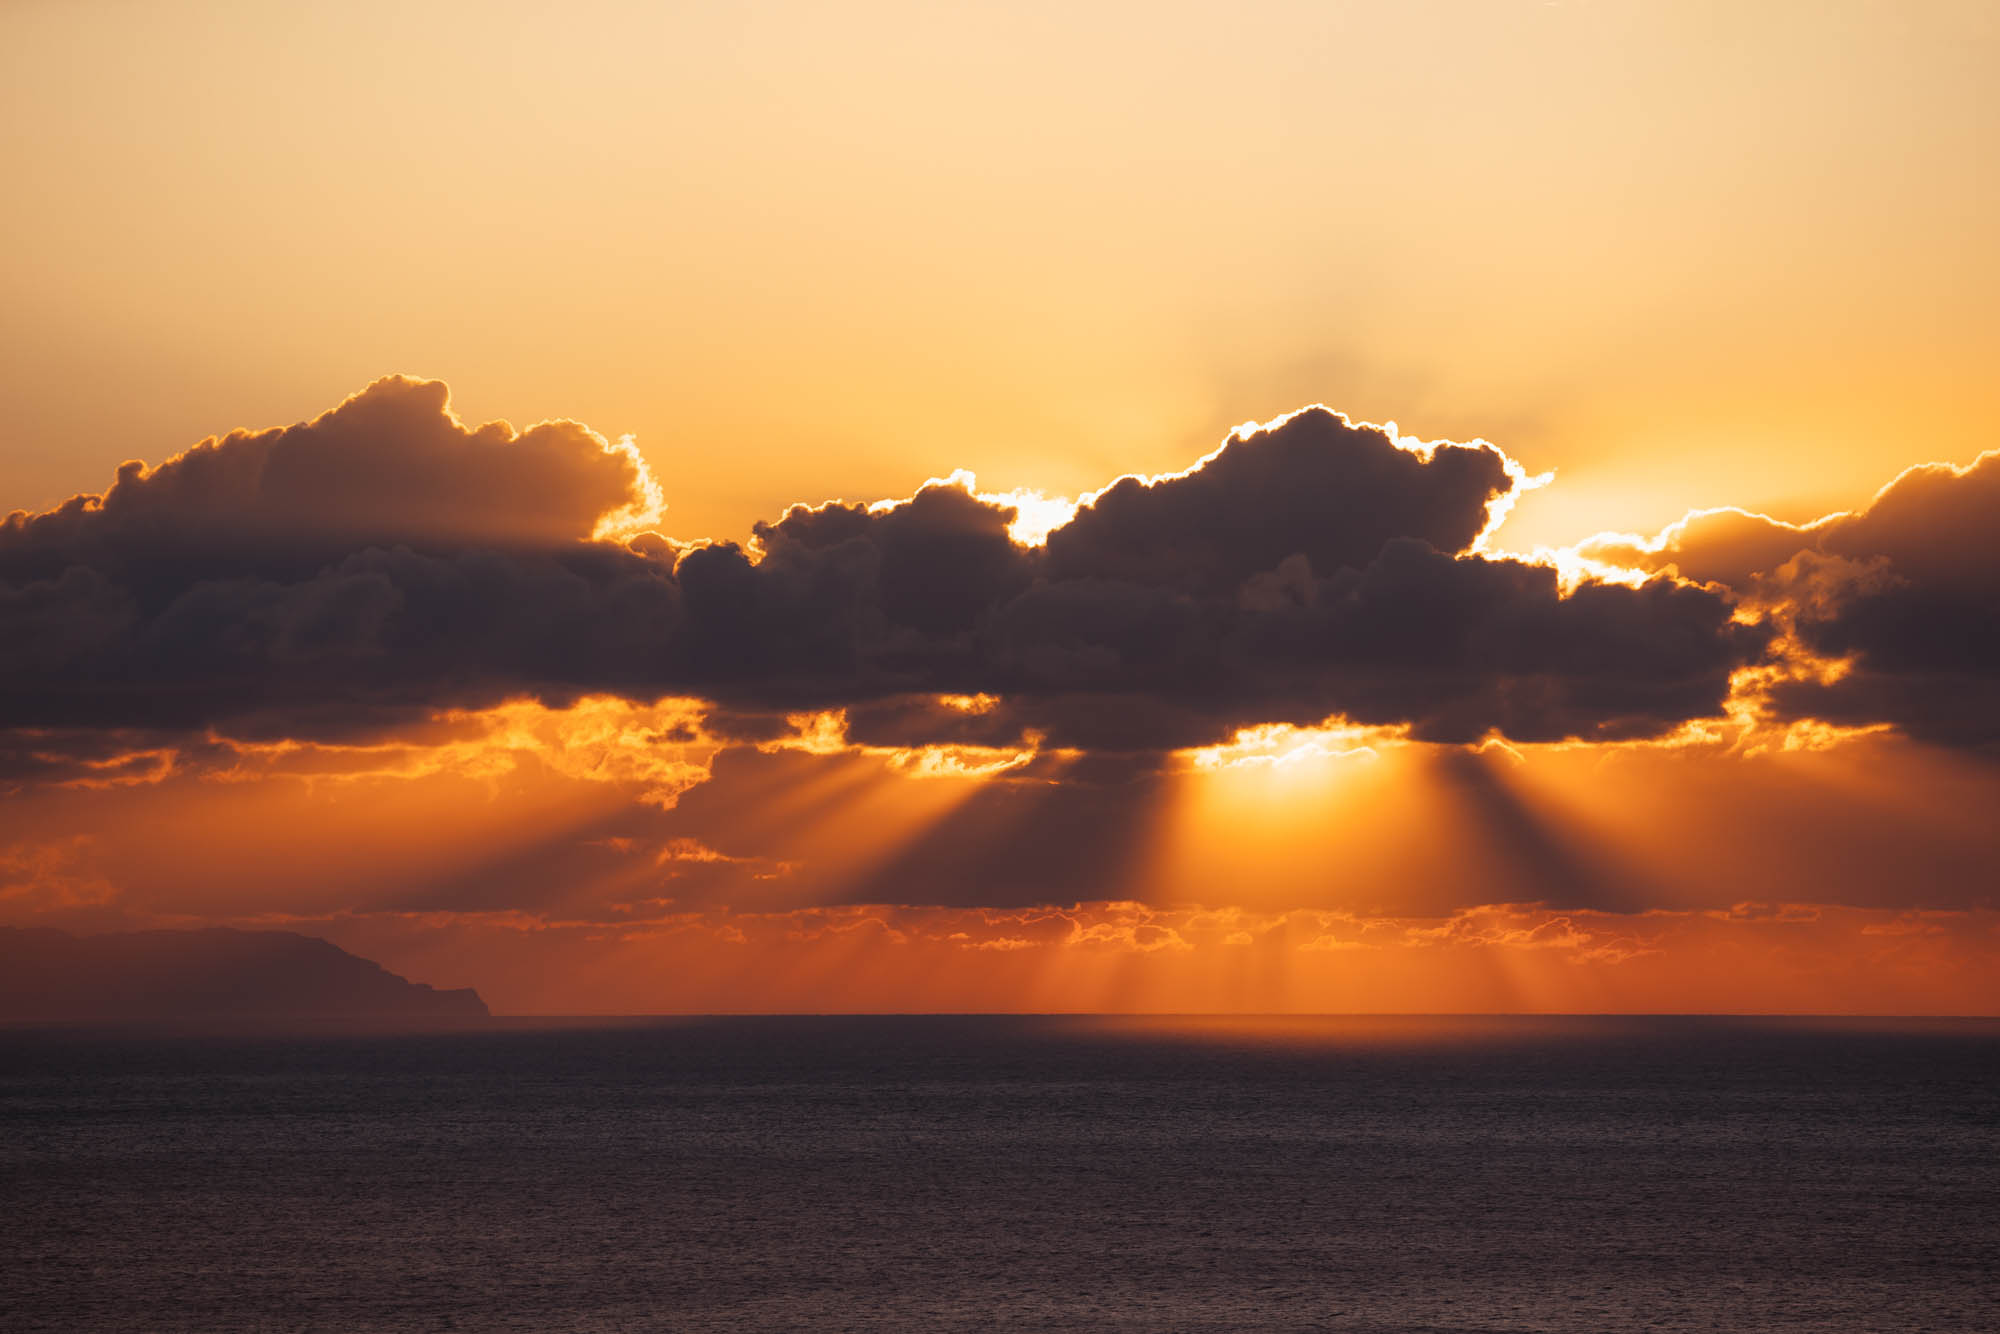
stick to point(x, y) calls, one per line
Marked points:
point(358, 571)
point(1904, 593)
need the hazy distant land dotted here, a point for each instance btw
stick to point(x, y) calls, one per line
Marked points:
point(215, 973)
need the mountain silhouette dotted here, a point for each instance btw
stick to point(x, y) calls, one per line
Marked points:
point(214, 973)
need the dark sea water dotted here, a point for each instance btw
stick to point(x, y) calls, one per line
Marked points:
point(1025, 1173)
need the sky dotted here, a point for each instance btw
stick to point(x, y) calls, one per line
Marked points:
point(627, 510)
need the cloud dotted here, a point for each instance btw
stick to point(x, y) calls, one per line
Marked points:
point(1895, 607)
point(1908, 596)
point(364, 570)
point(1724, 546)
point(1312, 486)
point(1306, 569)
point(390, 465)
point(358, 570)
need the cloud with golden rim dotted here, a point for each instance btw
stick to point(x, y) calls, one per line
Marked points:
point(384, 562)
point(1891, 612)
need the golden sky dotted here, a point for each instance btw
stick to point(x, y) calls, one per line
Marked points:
point(1684, 253)
point(1288, 732)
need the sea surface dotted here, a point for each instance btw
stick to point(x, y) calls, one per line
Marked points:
point(954, 1173)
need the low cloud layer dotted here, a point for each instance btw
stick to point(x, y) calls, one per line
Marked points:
point(353, 574)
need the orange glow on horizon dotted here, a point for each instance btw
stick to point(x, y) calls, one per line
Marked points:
point(1127, 958)
point(1297, 870)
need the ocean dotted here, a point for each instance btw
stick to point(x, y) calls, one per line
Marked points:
point(1028, 1173)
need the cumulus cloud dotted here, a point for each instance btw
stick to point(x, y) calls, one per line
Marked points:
point(354, 571)
point(1307, 569)
point(1896, 606)
point(1311, 486)
point(384, 561)
point(390, 466)
point(1722, 546)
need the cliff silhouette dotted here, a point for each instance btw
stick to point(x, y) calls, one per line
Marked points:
point(210, 974)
